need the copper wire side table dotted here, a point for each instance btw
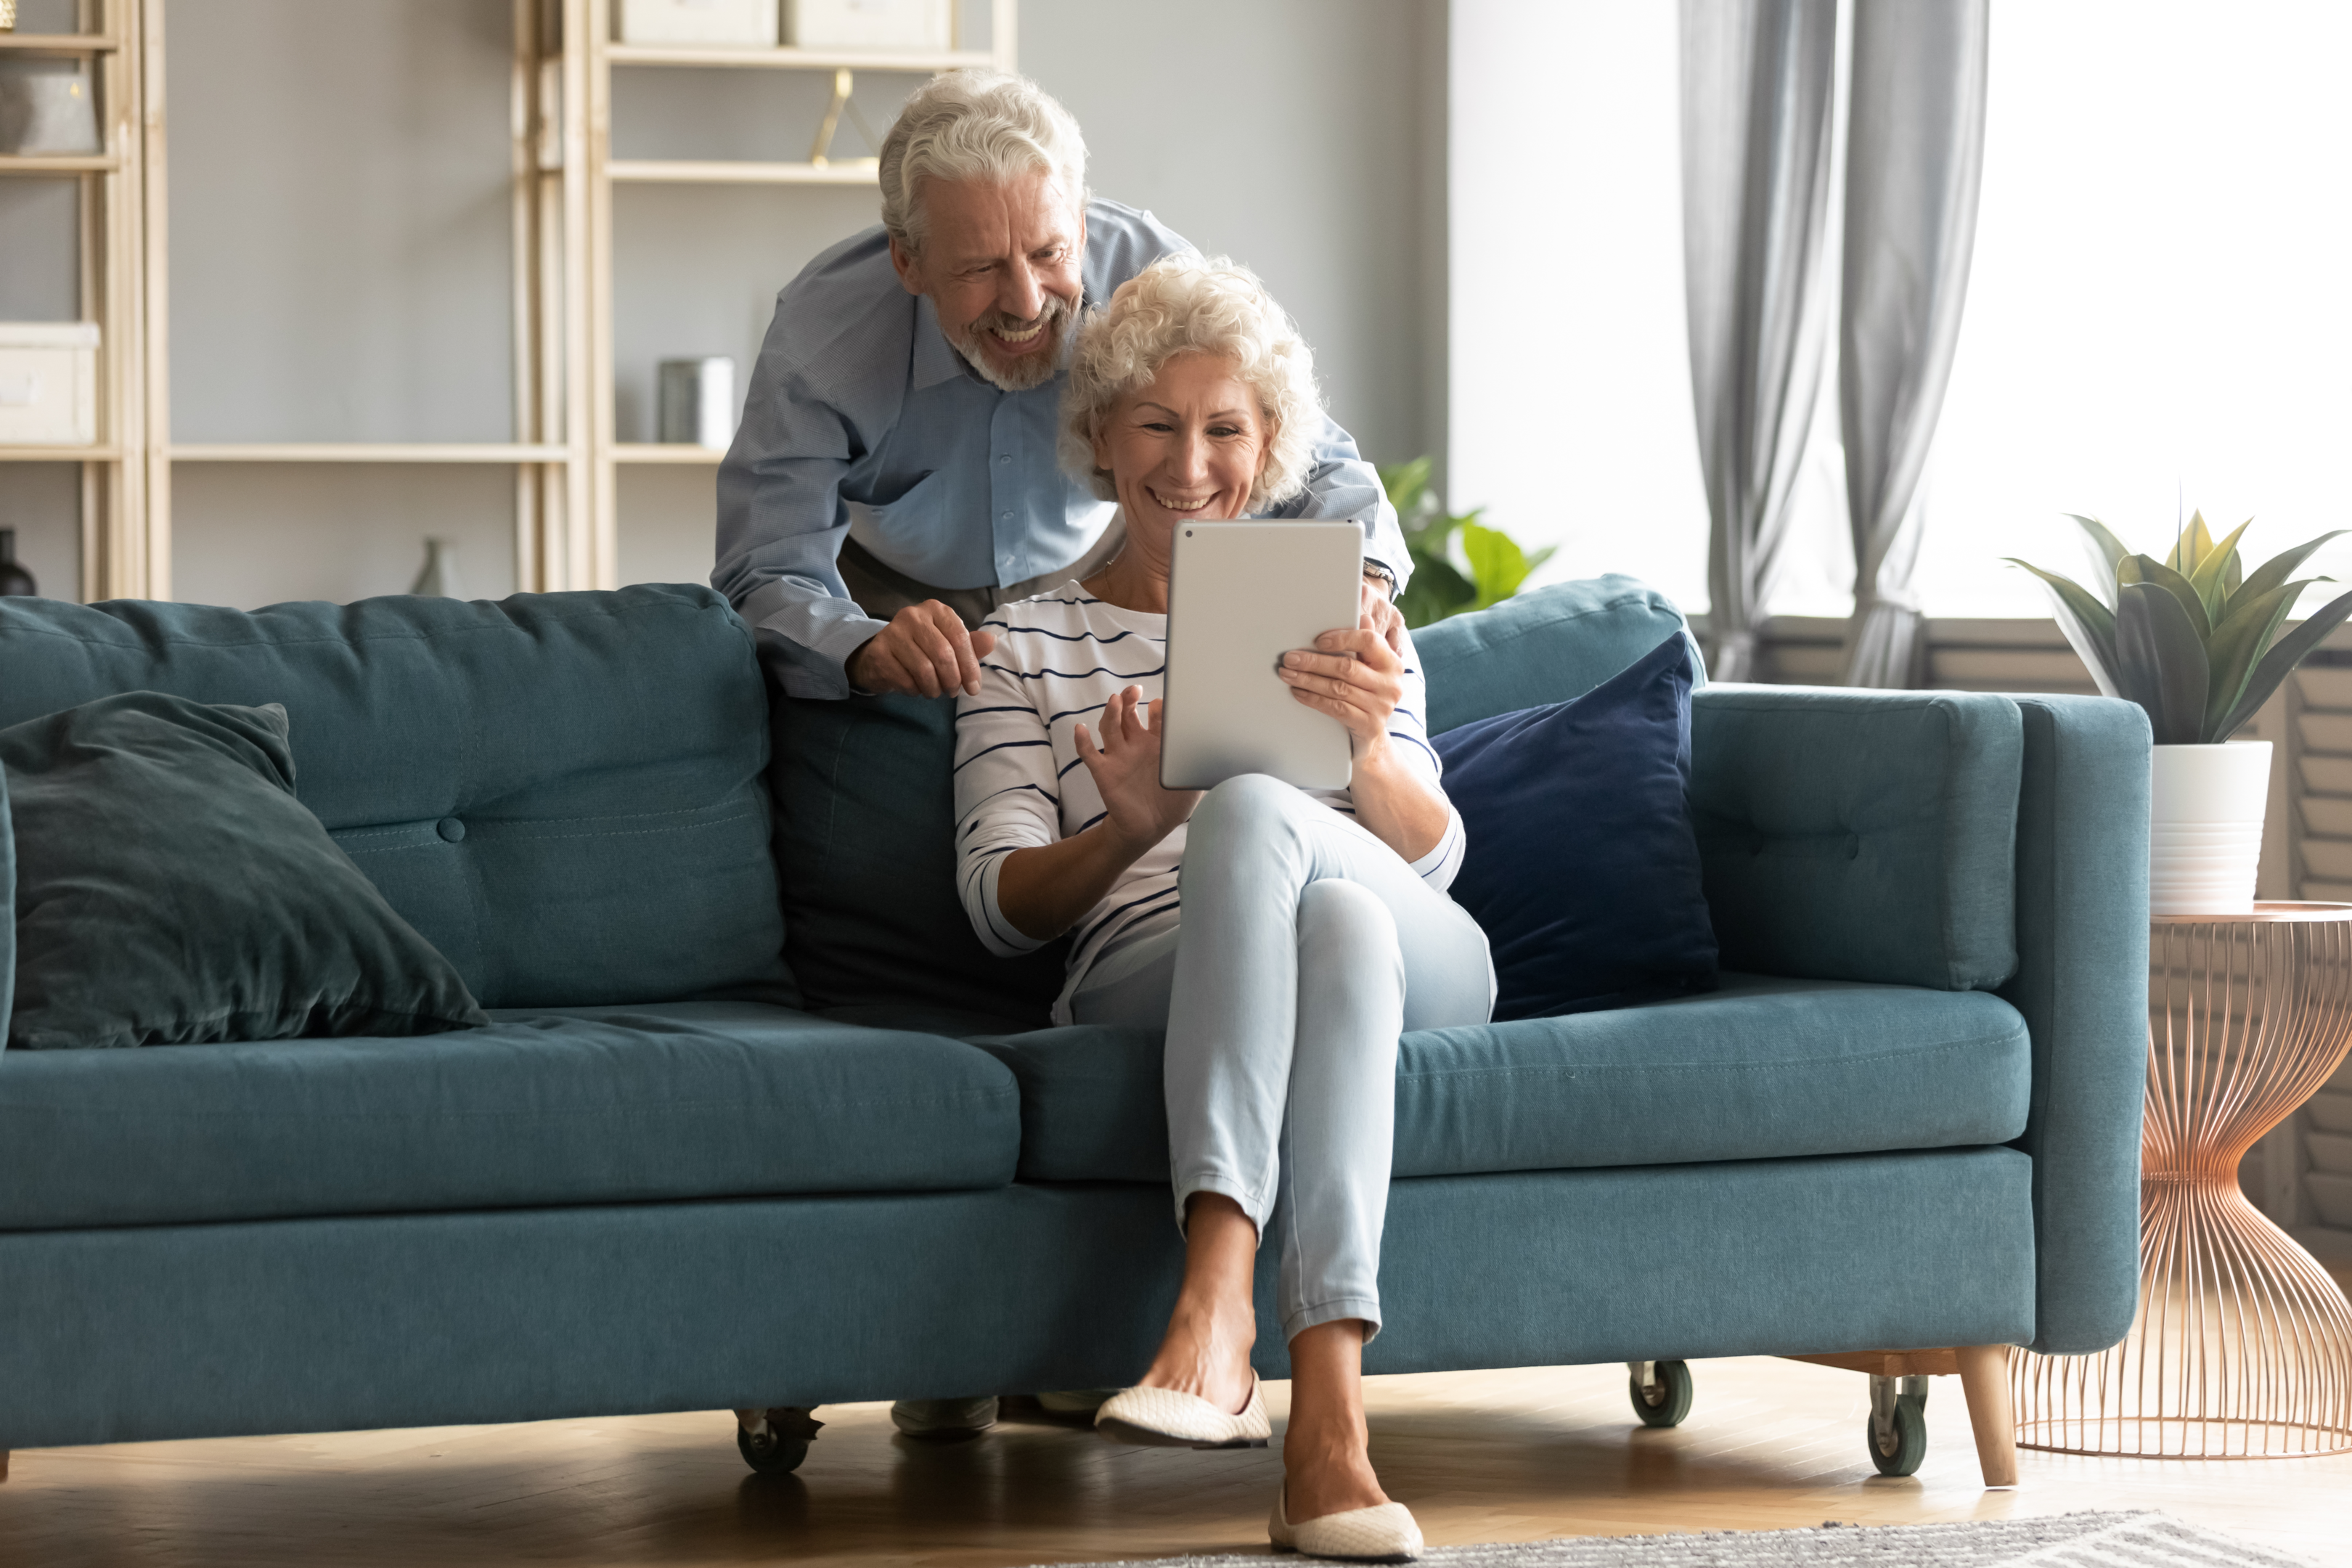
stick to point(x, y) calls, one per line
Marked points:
point(2242, 1344)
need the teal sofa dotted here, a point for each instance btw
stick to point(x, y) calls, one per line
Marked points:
point(757, 1124)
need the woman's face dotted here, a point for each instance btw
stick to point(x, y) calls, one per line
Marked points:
point(1188, 446)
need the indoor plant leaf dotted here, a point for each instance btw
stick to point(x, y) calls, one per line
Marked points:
point(2237, 642)
point(2088, 624)
point(2110, 551)
point(1437, 590)
point(2277, 664)
point(2157, 573)
point(2207, 578)
point(2160, 662)
point(2280, 567)
point(1498, 565)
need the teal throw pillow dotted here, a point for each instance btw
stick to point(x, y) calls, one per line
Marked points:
point(170, 889)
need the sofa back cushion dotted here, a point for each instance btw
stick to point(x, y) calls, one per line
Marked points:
point(1552, 645)
point(1860, 836)
point(561, 792)
point(865, 796)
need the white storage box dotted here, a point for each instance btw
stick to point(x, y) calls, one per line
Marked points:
point(48, 383)
point(747, 24)
point(908, 25)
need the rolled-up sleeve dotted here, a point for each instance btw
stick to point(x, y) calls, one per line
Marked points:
point(781, 524)
point(1341, 485)
point(1409, 733)
point(1006, 798)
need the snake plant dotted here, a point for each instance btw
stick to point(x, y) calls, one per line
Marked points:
point(2192, 639)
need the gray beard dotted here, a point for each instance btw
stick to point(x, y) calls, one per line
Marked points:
point(1029, 370)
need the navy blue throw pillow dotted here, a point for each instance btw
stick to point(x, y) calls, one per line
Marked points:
point(1581, 866)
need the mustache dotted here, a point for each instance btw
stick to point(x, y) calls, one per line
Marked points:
point(1056, 308)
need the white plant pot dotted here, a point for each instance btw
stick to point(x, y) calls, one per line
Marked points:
point(2205, 827)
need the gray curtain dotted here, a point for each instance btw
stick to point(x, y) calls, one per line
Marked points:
point(1913, 158)
point(1756, 92)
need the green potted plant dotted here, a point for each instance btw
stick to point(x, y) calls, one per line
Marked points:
point(1439, 588)
point(2194, 640)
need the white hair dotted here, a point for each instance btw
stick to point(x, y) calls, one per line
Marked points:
point(1191, 304)
point(975, 124)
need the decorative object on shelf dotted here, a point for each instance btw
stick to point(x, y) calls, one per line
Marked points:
point(1498, 566)
point(2242, 1344)
point(48, 108)
point(749, 23)
point(16, 583)
point(845, 83)
point(8, 16)
point(2190, 639)
point(438, 580)
point(48, 383)
point(698, 402)
point(910, 24)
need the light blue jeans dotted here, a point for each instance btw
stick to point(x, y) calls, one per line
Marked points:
point(1306, 946)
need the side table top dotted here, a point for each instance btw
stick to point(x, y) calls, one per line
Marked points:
point(2264, 914)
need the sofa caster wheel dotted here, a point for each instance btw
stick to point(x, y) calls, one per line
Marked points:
point(774, 1441)
point(1897, 1428)
point(1661, 1391)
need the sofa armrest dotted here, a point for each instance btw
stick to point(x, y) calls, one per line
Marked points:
point(1853, 835)
point(2082, 984)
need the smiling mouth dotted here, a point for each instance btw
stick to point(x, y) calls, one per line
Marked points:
point(1181, 508)
point(1020, 337)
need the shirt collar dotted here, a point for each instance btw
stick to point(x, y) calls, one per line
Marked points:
point(935, 358)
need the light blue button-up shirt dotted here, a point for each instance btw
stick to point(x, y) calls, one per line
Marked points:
point(863, 422)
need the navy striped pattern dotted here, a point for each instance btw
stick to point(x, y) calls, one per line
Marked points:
point(1020, 783)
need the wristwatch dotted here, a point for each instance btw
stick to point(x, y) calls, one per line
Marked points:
point(1386, 578)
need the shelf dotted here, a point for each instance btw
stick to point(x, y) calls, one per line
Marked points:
point(59, 43)
point(85, 164)
point(366, 452)
point(59, 454)
point(796, 60)
point(664, 452)
point(736, 172)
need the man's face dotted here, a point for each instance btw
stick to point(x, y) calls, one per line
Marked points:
point(1001, 264)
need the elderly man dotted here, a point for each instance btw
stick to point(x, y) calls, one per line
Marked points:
point(894, 478)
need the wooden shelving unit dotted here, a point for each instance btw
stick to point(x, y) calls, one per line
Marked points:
point(120, 551)
point(592, 20)
point(563, 451)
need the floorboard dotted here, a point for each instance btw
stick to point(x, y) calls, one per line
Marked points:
point(1495, 1455)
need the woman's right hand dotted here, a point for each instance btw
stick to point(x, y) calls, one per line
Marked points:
point(1125, 765)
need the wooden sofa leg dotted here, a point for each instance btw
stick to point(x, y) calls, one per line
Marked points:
point(1984, 1379)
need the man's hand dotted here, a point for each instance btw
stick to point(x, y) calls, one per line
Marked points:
point(924, 651)
point(1139, 814)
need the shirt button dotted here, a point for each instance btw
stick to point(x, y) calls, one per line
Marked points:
point(1003, 457)
point(1004, 516)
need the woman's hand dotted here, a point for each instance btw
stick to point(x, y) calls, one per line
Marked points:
point(1126, 769)
point(1357, 675)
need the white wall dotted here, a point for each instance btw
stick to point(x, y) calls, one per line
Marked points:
point(1569, 365)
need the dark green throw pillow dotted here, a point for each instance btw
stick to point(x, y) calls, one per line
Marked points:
point(171, 889)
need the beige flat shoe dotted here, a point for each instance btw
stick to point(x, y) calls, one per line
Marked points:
point(1164, 1418)
point(1384, 1535)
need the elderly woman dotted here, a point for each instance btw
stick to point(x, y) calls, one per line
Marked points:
point(1284, 937)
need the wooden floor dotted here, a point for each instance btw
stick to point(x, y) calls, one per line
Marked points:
point(1481, 1456)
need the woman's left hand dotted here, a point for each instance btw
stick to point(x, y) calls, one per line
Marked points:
point(1356, 676)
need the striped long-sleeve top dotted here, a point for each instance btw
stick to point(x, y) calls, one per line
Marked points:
point(1019, 783)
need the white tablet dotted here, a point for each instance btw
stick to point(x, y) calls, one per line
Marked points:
point(1240, 595)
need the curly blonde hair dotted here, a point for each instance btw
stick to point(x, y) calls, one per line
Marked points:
point(1193, 304)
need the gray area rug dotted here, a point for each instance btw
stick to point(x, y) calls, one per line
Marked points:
point(2143, 1539)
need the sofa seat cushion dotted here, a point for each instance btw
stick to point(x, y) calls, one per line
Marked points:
point(543, 1107)
point(1762, 1068)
